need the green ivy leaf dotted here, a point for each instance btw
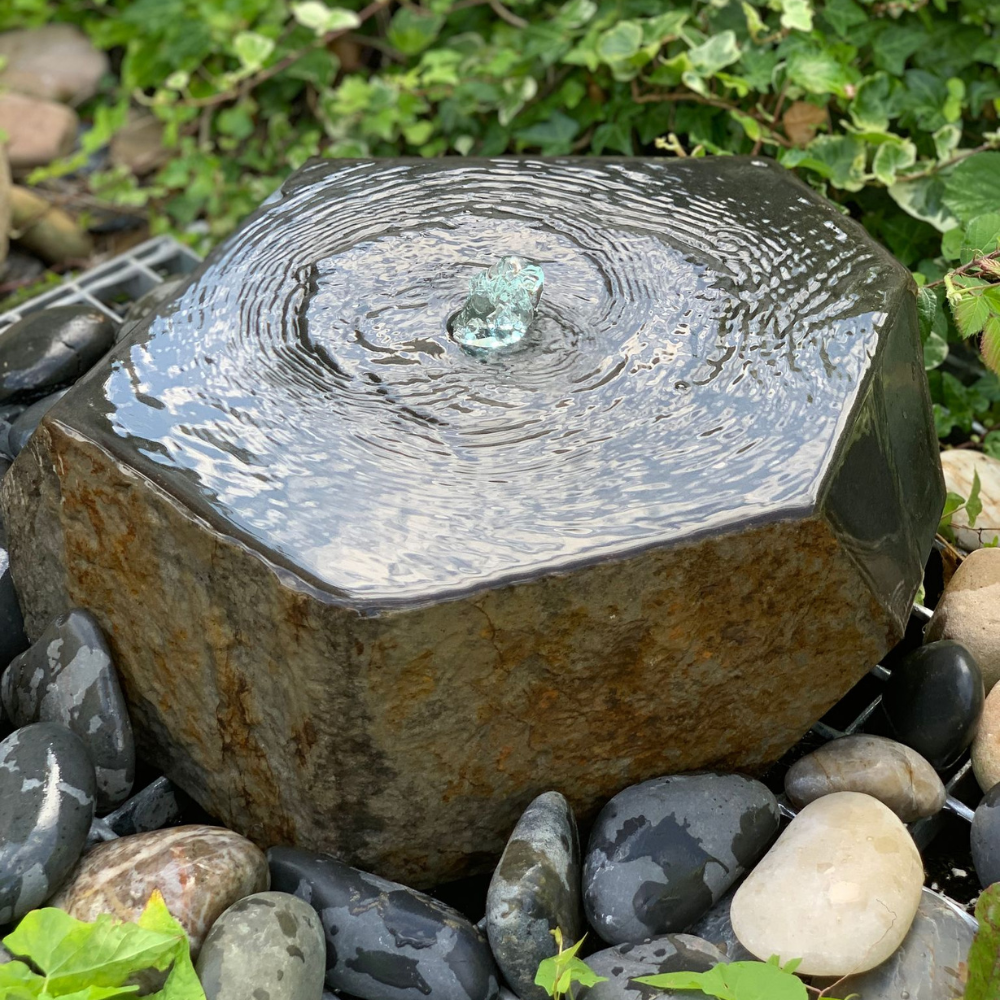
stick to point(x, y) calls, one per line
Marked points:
point(840, 158)
point(974, 505)
point(891, 158)
point(252, 49)
point(973, 187)
point(842, 15)
point(924, 199)
point(620, 42)
point(412, 30)
point(716, 53)
point(981, 237)
point(875, 103)
point(796, 15)
point(817, 71)
point(984, 955)
point(316, 16)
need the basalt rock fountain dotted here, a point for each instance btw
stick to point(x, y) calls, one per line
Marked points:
point(444, 483)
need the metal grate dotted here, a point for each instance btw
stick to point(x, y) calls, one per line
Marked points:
point(114, 285)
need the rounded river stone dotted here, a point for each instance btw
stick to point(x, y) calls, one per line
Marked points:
point(385, 941)
point(986, 745)
point(928, 965)
point(716, 927)
point(268, 946)
point(985, 838)
point(51, 348)
point(663, 851)
point(27, 422)
point(891, 772)
point(67, 676)
point(622, 964)
point(933, 701)
point(838, 890)
point(46, 805)
point(534, 890)
point(201, 871)
point(12, 637)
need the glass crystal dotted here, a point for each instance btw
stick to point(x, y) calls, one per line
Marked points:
point(500, 307)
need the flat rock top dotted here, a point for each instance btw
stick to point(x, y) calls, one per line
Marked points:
point(704, 329)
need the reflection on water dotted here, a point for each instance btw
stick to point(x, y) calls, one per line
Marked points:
point(703, 328)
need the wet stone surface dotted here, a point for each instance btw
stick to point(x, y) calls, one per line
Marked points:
point(933, 702)
point(201, 871)
point(534, 890)
point(50, 349)
point(12, 638)
point(985, 838)
point(716, 927)
point(928, 965)
point(154, 807)
point(25, 423)
point(386, 941)
point(662, 852)
point(46, 805)
point(742, 400)
point(67, 676)
point(669, 953)
point(267, 946)
point(891, 772)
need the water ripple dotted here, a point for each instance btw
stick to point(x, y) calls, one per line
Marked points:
point(702, 329)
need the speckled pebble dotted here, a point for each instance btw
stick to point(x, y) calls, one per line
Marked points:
point(891, 772)
point(201, 871)
point(384, 940)
point(928, 965)
point(67, 677)
point(622, 964)
point(46, 805)
point(663, 851)
point(716, 927)
point(534, 890)
point(268, 946)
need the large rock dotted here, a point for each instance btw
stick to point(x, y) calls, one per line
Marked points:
point(56, 61)
point(38, 131)
point(371, 595)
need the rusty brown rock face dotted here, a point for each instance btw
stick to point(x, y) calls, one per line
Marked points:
point(325, 647)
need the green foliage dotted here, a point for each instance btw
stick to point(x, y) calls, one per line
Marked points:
point(984, 955)
point(558, 974)
point(738, 981)
point(889, 107)
point(954, 502)
point(99, 960)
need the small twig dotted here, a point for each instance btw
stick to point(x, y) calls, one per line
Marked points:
point(975, 262)
point(507, 15)
point(958, 157)
point(254, 81)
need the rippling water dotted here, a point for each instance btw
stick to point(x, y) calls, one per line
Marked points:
point(702, 329)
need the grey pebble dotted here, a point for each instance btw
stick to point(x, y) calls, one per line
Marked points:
point(50, 349)
point(622, 964)
point(67, 676)
point(534, 890)
point(716, 927)
point(985, 838)
point(928, 965)
point(384, 940)
point(662, 852)
point(47, 796)
point(153, 808)
point(27, 423)
point(269, 946)
point(12, 638)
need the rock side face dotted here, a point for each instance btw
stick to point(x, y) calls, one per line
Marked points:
point(370, 595)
